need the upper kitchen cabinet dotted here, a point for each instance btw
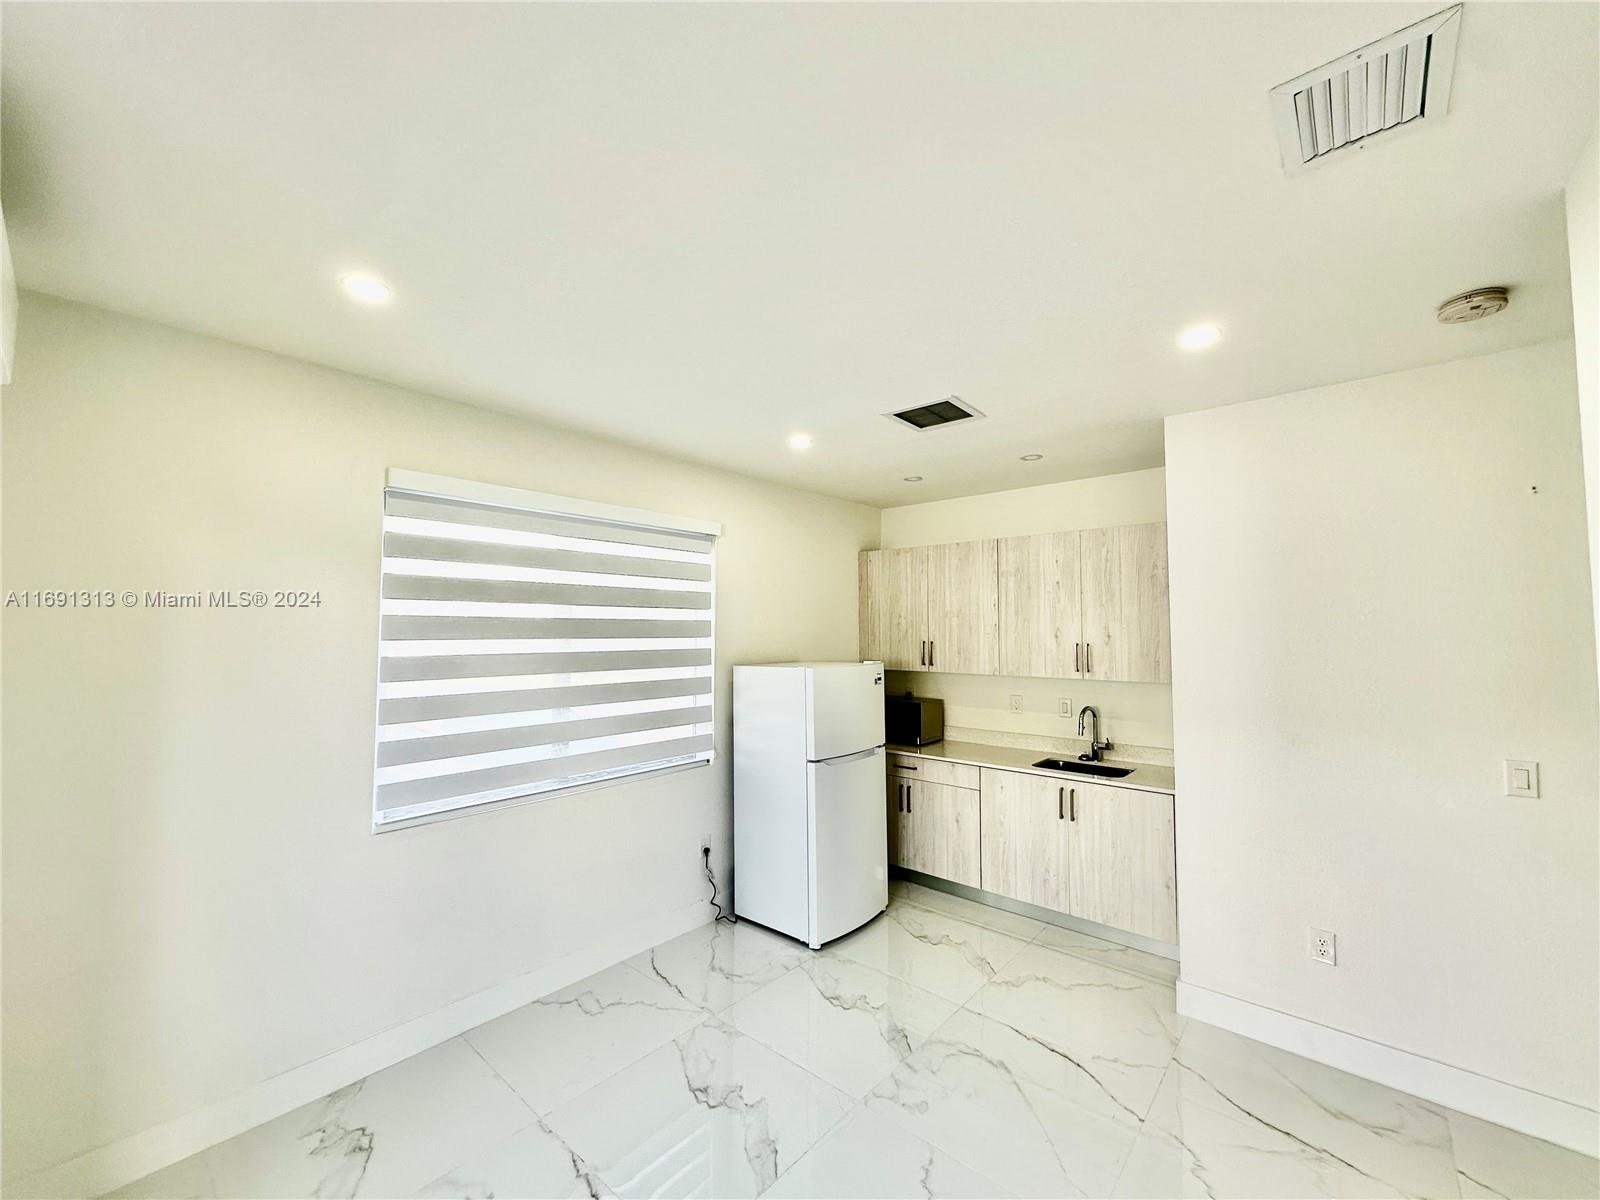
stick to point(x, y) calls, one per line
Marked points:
point(1098, 561)
point(1041, 613)
point(1145, 655)
point(1090, 603)
point(903, 595)
point(870, 593)
point(963, 608)
point(1126, 634)
point(932, 608)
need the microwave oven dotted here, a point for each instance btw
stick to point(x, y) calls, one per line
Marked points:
point(912, 720)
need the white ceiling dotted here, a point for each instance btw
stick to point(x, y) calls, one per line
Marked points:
point(702, 227)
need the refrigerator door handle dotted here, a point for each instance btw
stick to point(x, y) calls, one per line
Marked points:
point(844, 758)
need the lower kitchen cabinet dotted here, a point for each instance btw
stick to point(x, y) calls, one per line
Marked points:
point(1103, 854)
point(1121, 860)
point(1024, 835)
point(933, 828)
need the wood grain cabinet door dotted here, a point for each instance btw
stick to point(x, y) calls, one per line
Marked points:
point(1040, 602)
point(1142, 646)
point(1126, 630)
point(1100, 581)
point(1121, 868)
point(869, 598)
point(903, 578)
point(939, 835)
point(1024, 838)
point(963, 607)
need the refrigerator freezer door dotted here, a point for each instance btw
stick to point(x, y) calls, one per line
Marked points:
point(846, 709)
point(849, 844)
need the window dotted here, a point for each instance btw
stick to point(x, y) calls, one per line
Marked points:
point(532, 643)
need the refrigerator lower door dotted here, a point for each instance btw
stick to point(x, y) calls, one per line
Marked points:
point(849, 848)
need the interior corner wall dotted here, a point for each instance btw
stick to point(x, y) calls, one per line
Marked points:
point(1380, 592)
point(1134, 714)
point(1583, 258)
point(194, 901)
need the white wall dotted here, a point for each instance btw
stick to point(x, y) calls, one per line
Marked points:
point(1133, 498)
point(1135, 714)
point(1371, 608)
point(193, 899)
point(1583, 257)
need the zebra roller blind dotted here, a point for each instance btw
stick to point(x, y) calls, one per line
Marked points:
point(531, 643)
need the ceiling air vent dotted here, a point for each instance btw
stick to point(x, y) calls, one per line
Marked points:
point(1393, 83)
point(931, 416)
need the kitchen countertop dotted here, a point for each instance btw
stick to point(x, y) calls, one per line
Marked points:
point(1145, 778)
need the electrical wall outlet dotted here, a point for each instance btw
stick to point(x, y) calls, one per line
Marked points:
point(1016, 701)
point(1064, 706)
point(1325, 947)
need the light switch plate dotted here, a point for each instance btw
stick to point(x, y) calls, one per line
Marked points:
point(1064, 706)
point(1522, 778)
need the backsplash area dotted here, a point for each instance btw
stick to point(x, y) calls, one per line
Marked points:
point(1137, 717)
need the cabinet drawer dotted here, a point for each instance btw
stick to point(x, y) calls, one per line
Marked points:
point(934, 770)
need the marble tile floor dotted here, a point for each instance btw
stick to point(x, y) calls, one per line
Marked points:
point(947, 1049)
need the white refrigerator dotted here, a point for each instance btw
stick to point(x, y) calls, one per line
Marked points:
point(810, 836)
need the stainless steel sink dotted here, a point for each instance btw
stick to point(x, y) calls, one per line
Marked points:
point(1078, 766)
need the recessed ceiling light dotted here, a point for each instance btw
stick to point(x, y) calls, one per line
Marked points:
point(1032, 457)
point(799, 441)
point(1200, 337)
point(368, 289)
point(913, 478)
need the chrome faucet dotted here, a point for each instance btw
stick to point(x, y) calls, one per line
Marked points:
point(1095, 744)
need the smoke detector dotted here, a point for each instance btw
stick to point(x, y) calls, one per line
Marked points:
point(1473, 305)
point(1396, 82)
point(932, 416)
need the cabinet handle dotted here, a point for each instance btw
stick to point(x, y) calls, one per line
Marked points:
point(923, 661)
point(1077, 656)
point(1061, 794)
point(1072, 801)
point(1088, 664)
point(930, 652)
point(908, 797)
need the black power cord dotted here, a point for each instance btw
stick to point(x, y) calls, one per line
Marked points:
point(712, 880)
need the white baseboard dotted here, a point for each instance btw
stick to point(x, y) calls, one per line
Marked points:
point(1559, 1121)
point(111, 1166)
